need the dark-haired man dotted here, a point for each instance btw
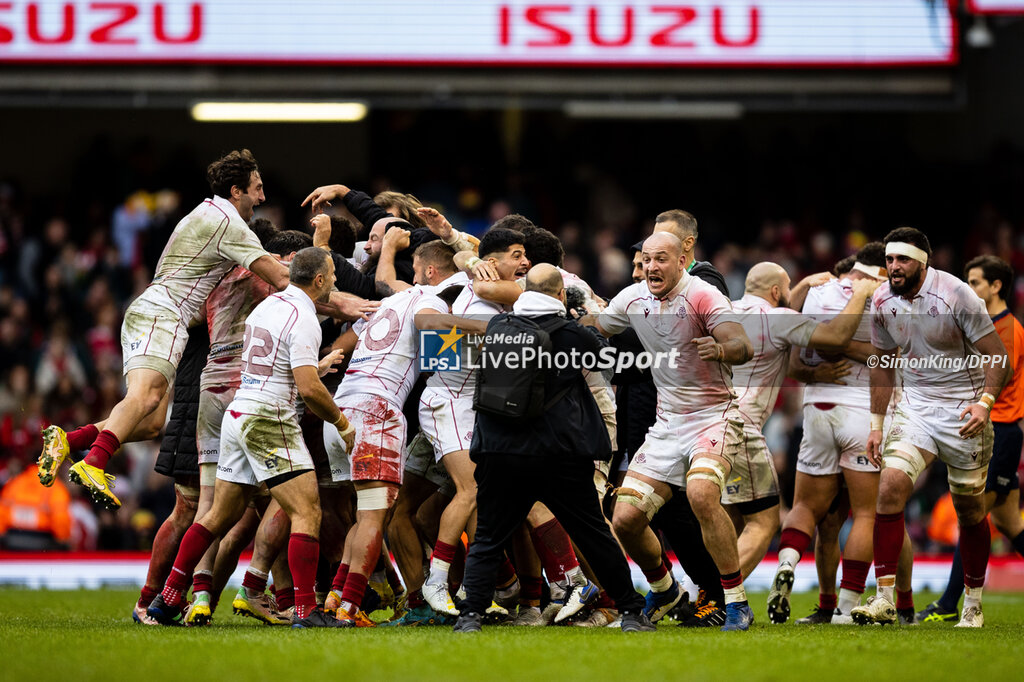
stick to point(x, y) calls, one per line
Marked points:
point(954, 365)
point(261, 441)
point(992, 279)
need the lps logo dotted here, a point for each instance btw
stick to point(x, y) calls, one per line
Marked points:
point(440, 351)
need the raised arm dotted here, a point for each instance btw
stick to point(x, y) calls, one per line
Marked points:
point(834, 334)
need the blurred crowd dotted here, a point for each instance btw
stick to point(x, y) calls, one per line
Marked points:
point(66, 281)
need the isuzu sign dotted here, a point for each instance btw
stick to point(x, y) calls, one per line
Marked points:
point(483, 32)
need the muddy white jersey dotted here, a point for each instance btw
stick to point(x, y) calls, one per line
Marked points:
point(281, 333)
point(385, 361)
point(942, 322)
point(462, 384)
point(772, 331)
point(204, 246)
point(823, 303)
point(691, 310)
point(227, 307)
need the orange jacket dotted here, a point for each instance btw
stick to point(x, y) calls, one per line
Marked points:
point(26, 505)
point(1010, 405)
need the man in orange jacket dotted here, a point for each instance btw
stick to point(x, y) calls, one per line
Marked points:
point(33, 517)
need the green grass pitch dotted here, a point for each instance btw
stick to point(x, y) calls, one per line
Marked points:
point(88, 635)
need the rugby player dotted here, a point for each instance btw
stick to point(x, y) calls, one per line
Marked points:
point(752, 494)
point(383, 369)
point(698, 431)
point(931, 316)
point(204, 246)
point(833, 449)
point(261, 441)
point(992, 280)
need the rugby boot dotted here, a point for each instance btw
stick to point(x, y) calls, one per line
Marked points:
point(935, 613)
point(55, 451)
point(876, 609)
point(778, 596)
point(972, 618)
point(657, 604)
point(97, 482)
point(738, 616)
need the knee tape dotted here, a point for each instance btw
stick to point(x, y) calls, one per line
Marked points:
point(189, 494)
point(641, 495)
point(208, 474)
point(964, 482)
point(904, 456)
point(374, 499)
point(705, 468)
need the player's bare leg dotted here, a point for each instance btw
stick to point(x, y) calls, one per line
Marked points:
point(271, 540)
point(373, 500)
point(405, 541)
point(753, 541)
point(975, 545)
point(458, 516)
point(638, 500)
point(862, 487)
point(826, 563)
point(812, 499)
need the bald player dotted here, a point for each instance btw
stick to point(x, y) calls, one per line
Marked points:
point(752, 492)
point(698, 432)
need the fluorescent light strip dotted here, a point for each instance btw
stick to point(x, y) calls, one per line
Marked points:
point(279, 111)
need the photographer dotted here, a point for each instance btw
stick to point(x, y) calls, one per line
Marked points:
point(547, 457)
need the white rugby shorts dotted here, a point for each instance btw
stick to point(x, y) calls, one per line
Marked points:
point(212, 406)
point(154, 340)
point(676, 438)
point(936, 429)
point(446, 422)
point(255, 447)
point(753, 475)
point(834, 438)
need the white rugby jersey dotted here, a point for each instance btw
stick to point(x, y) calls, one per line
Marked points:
point(228, 305)
point(691, 310)
point(281, 333)
point(207, 243)
point(823, 303)
point(462, 384)
point(943, 320)
point(385, 361)
point(772, 331)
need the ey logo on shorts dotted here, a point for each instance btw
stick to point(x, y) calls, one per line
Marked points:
point(440, 351)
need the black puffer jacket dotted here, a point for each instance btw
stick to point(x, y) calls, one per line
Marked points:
point(179, 454)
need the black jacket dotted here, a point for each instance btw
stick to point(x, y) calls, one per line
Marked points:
point(349, 278)
point(572, 427)
point(179, 454)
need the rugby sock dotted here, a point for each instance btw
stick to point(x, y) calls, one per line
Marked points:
point(202, 581)
point(827, 601)
point(732, 584)
point(975, 543)
point(659, 578)
point(352, 595)
point(1018, 543)
point(147, 596)
point(193, 546)
point(904, 600)
point(792, 545)
point(339, 578)
point(285, 597)
point(82, 438)
point(254, 582)
point(415, 599)
point(303, 552)
point(554, 549)
point(530, 590)
point(950, 599)
point(102, 449)
point(851, 587)
point(888, 541)
point(441, 562)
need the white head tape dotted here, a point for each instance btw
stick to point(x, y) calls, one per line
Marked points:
point(870, 271)
point(905, 249)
